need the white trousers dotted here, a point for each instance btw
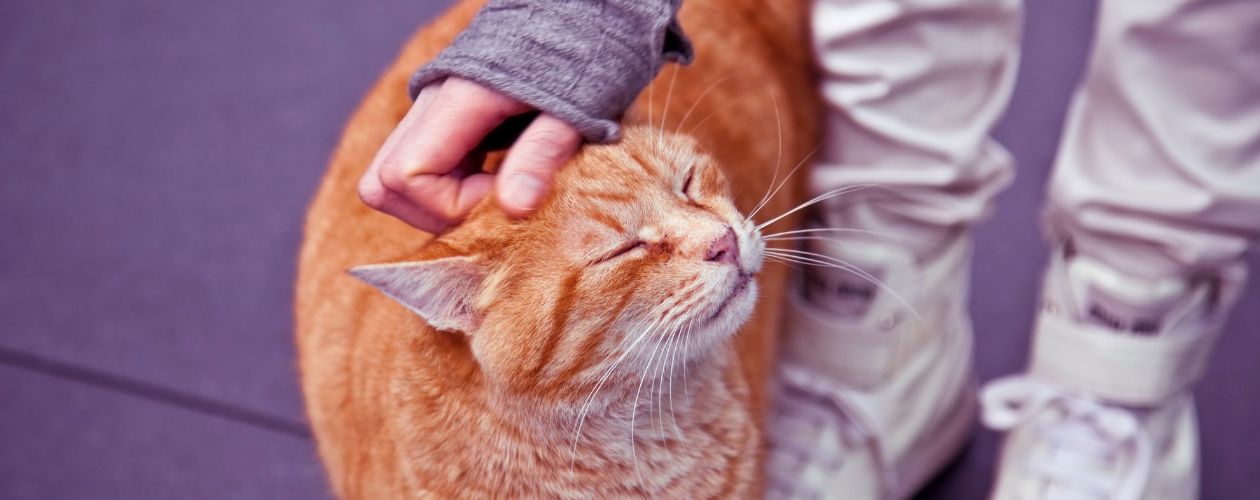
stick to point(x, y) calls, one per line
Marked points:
point(1158, 171)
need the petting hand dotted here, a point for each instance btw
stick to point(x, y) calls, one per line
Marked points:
point(428, 173)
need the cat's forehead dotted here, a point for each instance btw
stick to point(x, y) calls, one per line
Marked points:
point(644, 159)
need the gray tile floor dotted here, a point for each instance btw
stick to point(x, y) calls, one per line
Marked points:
point(157, 156)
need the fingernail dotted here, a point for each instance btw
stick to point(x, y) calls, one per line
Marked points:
point(523, 191)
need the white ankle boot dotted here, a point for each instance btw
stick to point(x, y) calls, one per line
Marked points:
point(1105, 410)
point(874, 392)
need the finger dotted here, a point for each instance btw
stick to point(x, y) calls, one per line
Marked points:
point(457, 120)
point(376, 196)
point(532, 162)
point(423, 99)
point(430, 206)
point(471, 190)
point(418, 163)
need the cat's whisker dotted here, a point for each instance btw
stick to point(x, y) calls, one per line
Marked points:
point(778, 162)
point(582, 413)
point(820, 259)
point(634, 409)
point(686, 352)
point(674, 359)
point(837, 241)
point(649, 373)
point(788, 263)
point(792, 259)
point(811, 258)
point(817, 199)
point(661, 380)
point(659, 314)
point(667, 382)
point(789, 260)
point(784, 182)
point(673, 363)
point(828, 258)
point(626, 352)
point(682, 150)
point(711, 114)
point(651, 98)
point(634, 457)
point(679, 151)
point(813, 230)
point(668, 96)
point(660, 320)
point(804, 238)
point(700, 99)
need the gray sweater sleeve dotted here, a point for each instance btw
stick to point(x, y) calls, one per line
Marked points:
point(583, 61)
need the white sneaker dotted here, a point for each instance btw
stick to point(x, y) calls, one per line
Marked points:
point(870, 400)
point(1105, 411)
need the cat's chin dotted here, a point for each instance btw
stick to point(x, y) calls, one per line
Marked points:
point(731, 314)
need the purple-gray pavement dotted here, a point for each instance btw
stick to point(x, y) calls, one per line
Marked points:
point(155, 161)
point(64, 439)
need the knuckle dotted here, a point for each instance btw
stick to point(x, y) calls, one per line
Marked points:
point(549, 146)
point(372, 194)
point(394, 178)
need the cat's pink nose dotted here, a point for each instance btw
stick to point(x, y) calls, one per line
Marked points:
point(725, 249)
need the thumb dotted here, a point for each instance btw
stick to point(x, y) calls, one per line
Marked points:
point(532, 163)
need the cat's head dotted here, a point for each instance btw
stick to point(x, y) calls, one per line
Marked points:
point(638, 246)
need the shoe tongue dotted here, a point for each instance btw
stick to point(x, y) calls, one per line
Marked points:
point(1105, 297)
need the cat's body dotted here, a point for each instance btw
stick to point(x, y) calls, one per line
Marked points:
point(401, 409)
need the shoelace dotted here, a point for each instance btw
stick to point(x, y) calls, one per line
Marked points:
point(857, 425)
point(1090, 437)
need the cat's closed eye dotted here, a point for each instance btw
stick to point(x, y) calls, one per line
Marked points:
point(622, 251)
point(685, 191)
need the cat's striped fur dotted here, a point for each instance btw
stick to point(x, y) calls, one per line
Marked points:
point(510, 407)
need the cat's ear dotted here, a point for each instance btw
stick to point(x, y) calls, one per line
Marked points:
point(442, 291)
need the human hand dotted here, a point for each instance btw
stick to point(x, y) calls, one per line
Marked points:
point(428, 172)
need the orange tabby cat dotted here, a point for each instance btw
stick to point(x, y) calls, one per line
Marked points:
point(590, 350)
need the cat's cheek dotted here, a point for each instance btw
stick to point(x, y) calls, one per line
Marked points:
point(492, 356)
